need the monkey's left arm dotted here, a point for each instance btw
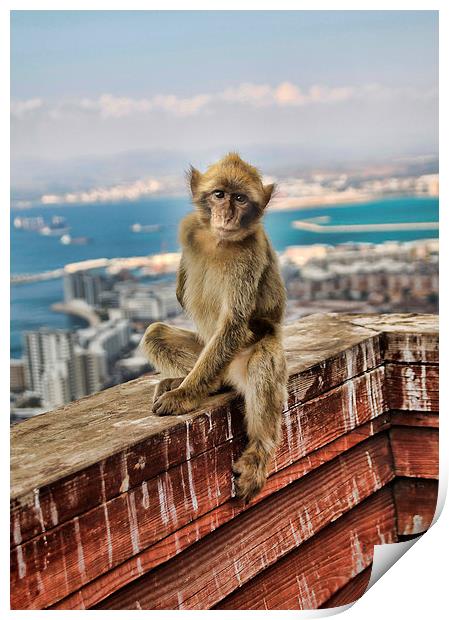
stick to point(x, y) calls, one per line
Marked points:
point(180, 282)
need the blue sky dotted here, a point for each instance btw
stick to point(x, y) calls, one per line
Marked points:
point(354, 84)
point(78, 53)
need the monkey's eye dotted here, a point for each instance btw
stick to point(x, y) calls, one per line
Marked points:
point(218, 193)
point(241, 198)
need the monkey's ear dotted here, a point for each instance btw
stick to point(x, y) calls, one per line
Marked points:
point(268, 192)
point(194, 177)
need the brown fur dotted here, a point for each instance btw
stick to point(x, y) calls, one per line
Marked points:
point(229, 283)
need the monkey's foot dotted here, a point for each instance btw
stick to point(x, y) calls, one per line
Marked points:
point(251, 474)
point(165, 385)
point(175, 402)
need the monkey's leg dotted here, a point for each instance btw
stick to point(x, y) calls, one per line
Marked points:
point(265, 393)
point(172, 351)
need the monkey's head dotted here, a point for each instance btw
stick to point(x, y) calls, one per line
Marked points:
point(230, 197)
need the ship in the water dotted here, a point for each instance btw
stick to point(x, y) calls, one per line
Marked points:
point(29, 223)
point(56, 228)
point(69, 240)
point(145, 228)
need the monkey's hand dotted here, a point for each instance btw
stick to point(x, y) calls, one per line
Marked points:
point(175, 402)
point(165, 385)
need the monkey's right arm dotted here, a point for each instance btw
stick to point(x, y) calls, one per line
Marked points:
point(232, 335)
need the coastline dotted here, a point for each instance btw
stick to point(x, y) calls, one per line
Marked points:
point(337, 200)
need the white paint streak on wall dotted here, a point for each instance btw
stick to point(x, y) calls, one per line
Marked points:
point(229, 423)
point(166, 442)
point(381, 536)
point(418, 525)
point(425, 396)
point(294, 532)
point(106, 516)
point(139, 566)
point(370, 460)
point(357, 554)
point(177, 545)
point(355, 493)
point(171, 501)
point(189, 465)
point(209, 418)
point(412, 394)
point(349, 357)
point(217, 484)
point(53, 511)
point(188, 446)
point(369, 390)
point(125, 476)
point(17, 533)
point(406, 350)
point(288, 428)
point(307, 598)
point(162, 501)
point(133, 523)
point(184, 492)
point(376, 478)
point(237, 569)
point(377, 395)
point(180, 600)
point(309, 524)
point(145, 496)
point(79, 548)
point(38, 509)
point(20, 563)
point(40, 583)
point(352, 406)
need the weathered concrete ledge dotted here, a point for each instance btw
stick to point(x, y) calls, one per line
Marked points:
point(110, 505)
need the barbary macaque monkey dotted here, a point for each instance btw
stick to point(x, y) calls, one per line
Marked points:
point(229, 283)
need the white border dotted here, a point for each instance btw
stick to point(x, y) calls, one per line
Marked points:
point(416, 585)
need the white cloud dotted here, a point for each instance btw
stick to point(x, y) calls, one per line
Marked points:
point(130, 191)
point(110, 106)
point(285, 94)
point(20, 108)
point(247, 93)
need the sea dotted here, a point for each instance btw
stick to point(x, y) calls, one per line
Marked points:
point(108, 226)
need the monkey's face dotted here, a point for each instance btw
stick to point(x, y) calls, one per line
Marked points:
point(230, 197)
point(232, 213)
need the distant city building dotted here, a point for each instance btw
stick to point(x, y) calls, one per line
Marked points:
point(388, 276)
point(110, 337)
point(152, 302)
point(63, 365)
point(92, 369)
point(168, 301)
point(49, 356)
point(86, 285)
point(100, 347)
point(17, 373)
point(109, 299)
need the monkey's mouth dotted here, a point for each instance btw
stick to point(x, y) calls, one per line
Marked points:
point(225, 231)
